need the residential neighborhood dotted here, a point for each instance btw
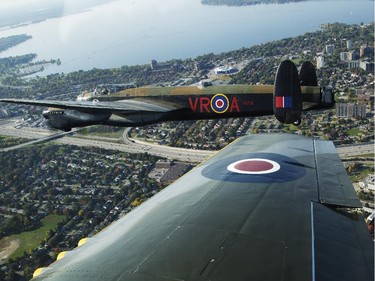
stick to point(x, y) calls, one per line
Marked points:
point(83, 189)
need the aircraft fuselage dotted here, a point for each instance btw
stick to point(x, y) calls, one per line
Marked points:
point(193, 102)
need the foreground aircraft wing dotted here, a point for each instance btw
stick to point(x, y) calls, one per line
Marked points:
point(267, 207)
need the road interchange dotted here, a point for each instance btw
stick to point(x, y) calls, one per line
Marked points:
point(125, 144)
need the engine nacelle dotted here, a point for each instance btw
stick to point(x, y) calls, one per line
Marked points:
point(66, 119)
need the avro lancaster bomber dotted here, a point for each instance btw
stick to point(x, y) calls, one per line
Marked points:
point(291, 94)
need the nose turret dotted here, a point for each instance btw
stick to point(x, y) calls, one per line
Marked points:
point(48, 112)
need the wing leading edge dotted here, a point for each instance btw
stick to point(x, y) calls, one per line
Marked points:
point(65, 115)
point(97, 106)
point(251, 212)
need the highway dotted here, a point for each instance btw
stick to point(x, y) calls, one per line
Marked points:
point(125, 144)
point(355, 150)
point(134, 146)
point(180, 154)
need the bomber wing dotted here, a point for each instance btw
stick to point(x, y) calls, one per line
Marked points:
point(263, 208)
point(121, 106)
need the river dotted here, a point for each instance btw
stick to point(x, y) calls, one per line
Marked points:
point(129, 32)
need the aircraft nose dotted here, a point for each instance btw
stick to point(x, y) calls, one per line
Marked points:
point(46, 113)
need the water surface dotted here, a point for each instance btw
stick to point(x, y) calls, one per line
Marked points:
point(133, 32)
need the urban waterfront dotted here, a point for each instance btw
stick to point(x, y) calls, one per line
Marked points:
point(85, 188)
point(123, 33)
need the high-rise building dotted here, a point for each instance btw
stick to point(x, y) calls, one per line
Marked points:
point(349, 56)
point(349, 110)
point(367, 66)
point(353, 55)
point(349, 44)
point(344, 56)
point(353, 64)
point(319, 62)
point(366, 51)
point(329, 49)
point(154, 64)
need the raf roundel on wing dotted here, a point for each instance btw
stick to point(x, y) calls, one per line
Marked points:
point(256, 168)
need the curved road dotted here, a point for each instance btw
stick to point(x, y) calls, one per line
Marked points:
point(42, 135)
point(135, 146)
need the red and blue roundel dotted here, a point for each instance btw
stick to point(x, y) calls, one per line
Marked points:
point(219, 103)
point(255, 168)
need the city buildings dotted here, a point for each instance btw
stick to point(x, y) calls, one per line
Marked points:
point(366, 51)
point(367, 66)
point(330, 49)
point(319, 62)
point(154, 64)
point(349, 110)
point(349, 56)
point(225, 70)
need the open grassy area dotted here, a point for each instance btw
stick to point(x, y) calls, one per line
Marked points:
point(6, 141)
point(102, 131)
point(30, 240)
point(353, 132)
point(364, 173)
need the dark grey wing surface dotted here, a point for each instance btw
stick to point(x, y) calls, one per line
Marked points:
point(334, 185)
point(121, 106)
point(251, 212)
point(342, 249)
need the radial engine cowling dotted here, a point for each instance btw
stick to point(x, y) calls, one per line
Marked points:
point(66, 119)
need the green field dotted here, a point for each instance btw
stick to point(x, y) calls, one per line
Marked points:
point(353, 132)
point(6, 141)
point(102, 131)
point(31, 240)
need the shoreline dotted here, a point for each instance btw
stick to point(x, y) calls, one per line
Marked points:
point(216, 30)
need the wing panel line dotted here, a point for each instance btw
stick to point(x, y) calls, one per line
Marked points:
point(312, 242)
point(316, 169)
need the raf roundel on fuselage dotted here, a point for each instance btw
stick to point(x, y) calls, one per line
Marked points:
point(219, 103)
